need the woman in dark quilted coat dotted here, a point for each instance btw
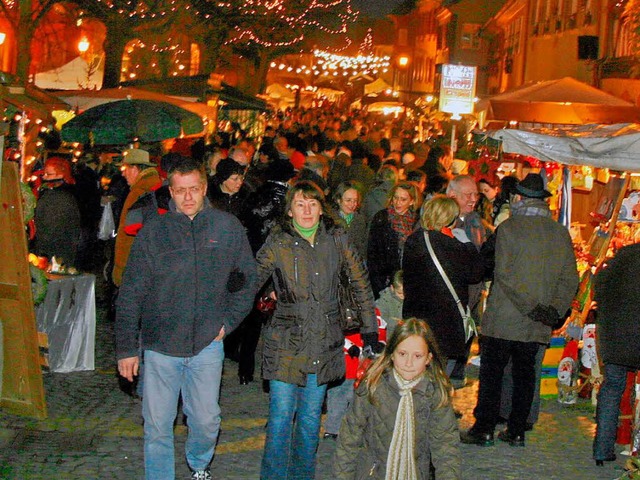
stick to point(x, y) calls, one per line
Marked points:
point(401, 420)
point(303, 340)
point(388, 232)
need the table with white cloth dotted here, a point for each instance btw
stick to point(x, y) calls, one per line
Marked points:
point(68, 317)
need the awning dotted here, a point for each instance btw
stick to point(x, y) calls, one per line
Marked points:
point(31, 99)
point(73, 75)
point(235, 99)
point(84, 99)
point(604, 146)
point(564, 101)
point(198, 86)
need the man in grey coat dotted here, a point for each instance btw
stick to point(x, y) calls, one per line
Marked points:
point(534, 284)
point(189, 281)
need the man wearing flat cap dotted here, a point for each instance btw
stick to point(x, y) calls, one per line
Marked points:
point(535, 281)
point(142, 177)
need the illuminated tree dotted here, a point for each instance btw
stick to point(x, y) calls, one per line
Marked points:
point(125, 20)
point(24, 16)
point(266, 29)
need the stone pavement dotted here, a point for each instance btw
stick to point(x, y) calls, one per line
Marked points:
point(94, 431)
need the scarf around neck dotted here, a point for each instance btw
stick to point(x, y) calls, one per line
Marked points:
point(531, 207)
point(348, 218)
point(402, 224)
point(401, 462)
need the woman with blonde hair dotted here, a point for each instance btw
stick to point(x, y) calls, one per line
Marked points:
point(401, 419)
point(388, 231)
point(426, 294)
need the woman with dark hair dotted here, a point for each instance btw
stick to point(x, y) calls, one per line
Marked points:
point(303, 340)
point(388, 231)
point(502, 203)
point(484, 207)
point(226, 190)
point(438, 162)
point(346, 201)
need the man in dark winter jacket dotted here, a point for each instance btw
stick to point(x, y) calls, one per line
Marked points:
point(616, 291)
point(190, 280)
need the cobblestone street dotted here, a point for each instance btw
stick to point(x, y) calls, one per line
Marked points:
point(94, 431)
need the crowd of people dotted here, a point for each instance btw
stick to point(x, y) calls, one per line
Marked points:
point(219, 245)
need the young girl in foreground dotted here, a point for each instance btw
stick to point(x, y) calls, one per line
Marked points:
point(401, 419)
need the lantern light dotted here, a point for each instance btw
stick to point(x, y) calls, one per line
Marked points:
point(83, 45)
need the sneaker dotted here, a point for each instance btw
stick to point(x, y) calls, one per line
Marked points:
point(201, 474)
point(475, 361)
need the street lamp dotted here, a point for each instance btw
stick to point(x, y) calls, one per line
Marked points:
point(83, 45)
point(3, 37)
point(401, 62)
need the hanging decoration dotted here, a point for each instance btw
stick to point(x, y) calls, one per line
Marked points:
point(366, 47)
point(331, 18)
point(326, 64)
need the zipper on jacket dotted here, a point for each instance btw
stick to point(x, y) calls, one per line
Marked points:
point(195, 270)
point(295, 268)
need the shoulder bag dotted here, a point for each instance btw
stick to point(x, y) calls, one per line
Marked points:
point(467, 320)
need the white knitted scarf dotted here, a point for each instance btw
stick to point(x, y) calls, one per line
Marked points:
point(401, 463)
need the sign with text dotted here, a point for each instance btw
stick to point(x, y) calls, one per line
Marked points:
point(457, 89)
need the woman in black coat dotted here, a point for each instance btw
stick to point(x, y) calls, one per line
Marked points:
point(226, 190)
point(388, 232)
point(426, 295)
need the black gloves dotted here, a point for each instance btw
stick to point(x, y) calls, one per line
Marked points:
point(545, 314)
point(236, 281)
point(372, 347)
point(378, 348)
point(369, 339)
point(354, 351)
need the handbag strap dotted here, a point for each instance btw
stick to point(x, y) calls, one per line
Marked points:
point(436, 262)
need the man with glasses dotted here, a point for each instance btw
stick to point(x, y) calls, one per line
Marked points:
point(190, 280)
point(464, 190)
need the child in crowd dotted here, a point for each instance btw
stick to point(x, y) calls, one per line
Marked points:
point(390, 302)
point(340, 394)
point(401, 418)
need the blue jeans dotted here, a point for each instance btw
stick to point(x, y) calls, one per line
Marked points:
point(338, 399)
point(608, 410)
point(287, 456)
point(198, 378)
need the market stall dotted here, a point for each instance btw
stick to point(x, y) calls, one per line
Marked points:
point(68, 317)
point(602, 161)
point(564, 101)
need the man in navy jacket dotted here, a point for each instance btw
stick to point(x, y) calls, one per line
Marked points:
point(189, 281)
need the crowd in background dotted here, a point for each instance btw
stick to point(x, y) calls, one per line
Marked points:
point(389, 193)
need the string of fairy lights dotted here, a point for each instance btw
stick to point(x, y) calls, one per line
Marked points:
point(279, 9)
point(327, 64)
point(288, 18)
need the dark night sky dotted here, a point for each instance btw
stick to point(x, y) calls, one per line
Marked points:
point(375, 8)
